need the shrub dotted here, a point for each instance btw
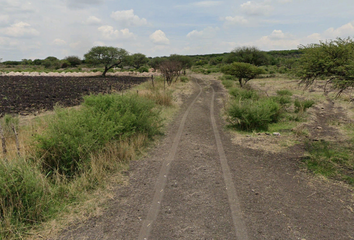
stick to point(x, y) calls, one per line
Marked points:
point(253, 115)
point(282, 100)
point(184, 79)
point(143, 69)
point(284, 93)
point(73, 135)
point(302, 106)
point(228, 83)
point(240, 93)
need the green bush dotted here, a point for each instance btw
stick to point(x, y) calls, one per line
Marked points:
point(143, 69)
point(284, 93)
point(282, 100)
point(24, 196)
point(302, 106)
point(73, 135)
point(240, 93)
point(184, 79)
point(228, 83)
point(253, 115)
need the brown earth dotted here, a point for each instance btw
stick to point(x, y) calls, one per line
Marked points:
point(277, 198)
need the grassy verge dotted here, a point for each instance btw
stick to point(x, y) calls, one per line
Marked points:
point(69, 157)
point(332, 160)
point(252, 110)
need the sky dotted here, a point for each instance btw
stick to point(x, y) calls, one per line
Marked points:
point(41, 28)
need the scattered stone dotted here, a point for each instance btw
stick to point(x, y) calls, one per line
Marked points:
point(248, 135)
point(267, 133)
point(276, 134)
point(319, 128)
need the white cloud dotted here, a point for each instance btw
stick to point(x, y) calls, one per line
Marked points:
point(82, 3)
point(109, 33)
point(127, 18)
point(99, 43)
point(159, 37)
point(92, 20)
point(20, 29)
point(256, 9)
point(4, 19)
point(237, 20)
point(207, 3)
point(208, 32)
point(344, 31)
point(59, 42)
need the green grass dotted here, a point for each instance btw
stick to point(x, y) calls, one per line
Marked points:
point(332, 160)
point(72, 135)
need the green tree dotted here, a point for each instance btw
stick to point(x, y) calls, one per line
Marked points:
point(250, 55)
point(185, 61)
point(330, 60)
point(108, 56)
point(137, 60)
point(155, 62)
point(73, 60)
point(242, 71)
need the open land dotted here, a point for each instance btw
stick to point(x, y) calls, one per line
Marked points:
point(30, 94)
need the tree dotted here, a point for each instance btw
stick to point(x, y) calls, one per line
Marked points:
point(73, 60)
point(330, 60)
point(242, 71)
point(185, 61)
point(137, 60)
point(108, 56)
point(170, 70)
point(250, 55)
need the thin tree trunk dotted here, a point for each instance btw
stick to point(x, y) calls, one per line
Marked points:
point(17, 141)
point(3, 140)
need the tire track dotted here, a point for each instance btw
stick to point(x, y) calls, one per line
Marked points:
point(162, 178)
point(239, 225)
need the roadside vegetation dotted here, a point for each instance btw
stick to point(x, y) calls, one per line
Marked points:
point(67, 156)
point(279, 103)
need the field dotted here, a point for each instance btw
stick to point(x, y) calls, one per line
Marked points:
point(26, 94)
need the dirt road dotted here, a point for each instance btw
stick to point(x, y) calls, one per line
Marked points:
point(196, 184)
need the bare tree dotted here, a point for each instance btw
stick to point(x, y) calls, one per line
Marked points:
point(170, 70)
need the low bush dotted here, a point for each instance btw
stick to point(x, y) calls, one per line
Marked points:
point(184, 79)
point(228, 83)
point(283, 100)
point(253, 115)
point(302, 105)
point(240, 93)
point(284, 93)
point(72, 135)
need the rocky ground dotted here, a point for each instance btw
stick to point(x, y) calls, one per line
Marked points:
point(183, 190)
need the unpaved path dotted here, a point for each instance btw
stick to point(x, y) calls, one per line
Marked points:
point(197, 185)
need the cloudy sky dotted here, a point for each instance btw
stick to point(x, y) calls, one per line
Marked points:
point(41, 28)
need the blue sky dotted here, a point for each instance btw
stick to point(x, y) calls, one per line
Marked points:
point(41, 28)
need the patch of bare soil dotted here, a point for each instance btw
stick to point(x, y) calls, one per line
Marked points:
point(278, 199)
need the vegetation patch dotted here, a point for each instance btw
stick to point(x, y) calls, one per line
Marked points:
point(331, 159)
